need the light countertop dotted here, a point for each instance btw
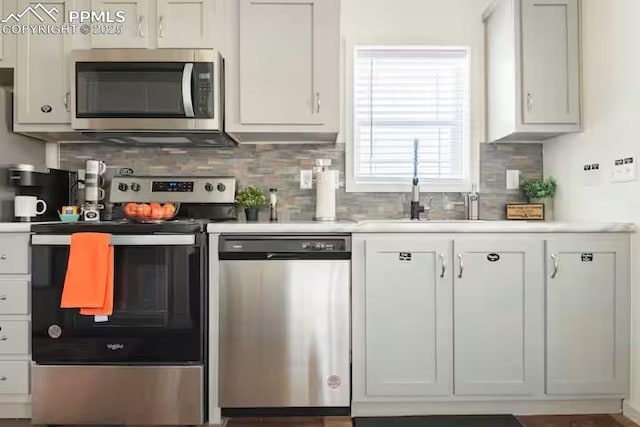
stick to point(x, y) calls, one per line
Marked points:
point(16, 227)
point(406, 226)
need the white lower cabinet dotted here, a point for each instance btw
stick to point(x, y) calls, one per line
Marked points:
point(587, 316)
point(14, 377)
point(15, 325)
point(499, 317)
point(498, 296)
point(408, 317)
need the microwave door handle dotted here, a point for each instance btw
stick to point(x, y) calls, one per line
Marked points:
point(187, 100)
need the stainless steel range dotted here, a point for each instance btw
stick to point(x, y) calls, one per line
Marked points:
point(146, 363)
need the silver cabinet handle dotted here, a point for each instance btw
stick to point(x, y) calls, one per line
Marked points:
point(3, 297)
point(140, 33)
point(161, 26)
point(443, 262)
point(3, 378)
point(317, 102)
point(554, 257)
point(3, 338)
point(66, 101)
point(461, 266)
point(3, 257)
point(529, 102)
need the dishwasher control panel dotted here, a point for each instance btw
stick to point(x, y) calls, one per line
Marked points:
point(283, 246)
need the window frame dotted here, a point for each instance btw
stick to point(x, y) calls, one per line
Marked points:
point(471, 153)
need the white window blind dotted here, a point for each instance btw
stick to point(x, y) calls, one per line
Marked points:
point(407, 93)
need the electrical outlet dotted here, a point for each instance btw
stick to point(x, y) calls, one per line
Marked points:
point(591, 174)
point(513, 179)
point(306, 179)
point(624, 170)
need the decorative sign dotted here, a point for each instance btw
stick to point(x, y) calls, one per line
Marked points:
point(525, 211)
point(493, 257)
point(587, 257)
point(404, 256)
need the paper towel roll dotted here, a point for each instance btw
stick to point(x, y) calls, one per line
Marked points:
point(326, 182)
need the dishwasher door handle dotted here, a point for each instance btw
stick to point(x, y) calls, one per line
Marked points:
point(283, 256)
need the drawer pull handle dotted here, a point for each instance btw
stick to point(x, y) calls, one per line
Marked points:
point(3, 378)
point(3, 297)
point(3, 338)
point(3, 257)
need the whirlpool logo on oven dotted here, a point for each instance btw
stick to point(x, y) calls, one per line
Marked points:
point(115, 347)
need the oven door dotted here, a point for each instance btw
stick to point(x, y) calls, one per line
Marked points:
point(159, 303)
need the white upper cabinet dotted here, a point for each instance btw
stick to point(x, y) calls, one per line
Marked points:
point(42, 77)
point(532, 69)
point(7, 41)
point(283, 70)
point(550, 61)
point(587, 316)
point(173, 24)
point(408, 317)
point(185, 23)
point(498, 319)
point(135, 29)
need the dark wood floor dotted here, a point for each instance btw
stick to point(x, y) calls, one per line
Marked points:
point(531, 421)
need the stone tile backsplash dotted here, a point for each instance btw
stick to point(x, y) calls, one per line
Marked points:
point(278, 166)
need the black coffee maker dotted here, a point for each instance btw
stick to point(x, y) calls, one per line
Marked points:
point(55, 186)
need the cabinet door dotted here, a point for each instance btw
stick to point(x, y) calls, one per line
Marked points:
point(587, 316)
point(134, 30)
point(186, 24)
point(550, 62)
point(42, 75)
point(288, 61)
point(498, 295)
point(408, 318)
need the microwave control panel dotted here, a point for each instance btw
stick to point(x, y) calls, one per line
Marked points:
point(203, 90)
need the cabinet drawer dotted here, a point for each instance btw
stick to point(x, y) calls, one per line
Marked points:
point(14, 377)
point(14, 253)
point(14, 337)
point(14, 297)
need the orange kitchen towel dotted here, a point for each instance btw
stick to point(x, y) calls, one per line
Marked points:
point(88, 284)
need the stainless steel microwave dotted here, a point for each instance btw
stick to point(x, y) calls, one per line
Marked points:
point(142, 93)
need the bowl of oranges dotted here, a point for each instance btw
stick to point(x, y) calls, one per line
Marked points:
point(150, 212)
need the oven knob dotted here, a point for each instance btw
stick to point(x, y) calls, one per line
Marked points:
point(208, 186)
point(135, 186)
point(55, 331)
point(123, 187)
point(221, 187)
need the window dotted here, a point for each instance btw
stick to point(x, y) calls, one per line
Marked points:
point(403, 94)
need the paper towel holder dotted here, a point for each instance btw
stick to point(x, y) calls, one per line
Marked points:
point(326, 183)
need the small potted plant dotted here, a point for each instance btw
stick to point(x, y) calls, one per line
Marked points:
point(541, 191)
point(251, 198)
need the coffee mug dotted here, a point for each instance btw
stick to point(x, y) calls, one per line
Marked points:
point(95, 167)
point(94, 194)
point(27, 206)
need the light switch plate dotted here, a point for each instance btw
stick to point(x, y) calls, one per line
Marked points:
point(513, 179)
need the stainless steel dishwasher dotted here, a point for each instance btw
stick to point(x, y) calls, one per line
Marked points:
point(285, 324)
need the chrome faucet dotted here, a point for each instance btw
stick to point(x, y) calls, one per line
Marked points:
point(416, 208)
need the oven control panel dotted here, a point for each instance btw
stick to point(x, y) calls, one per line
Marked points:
point(145, 189)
